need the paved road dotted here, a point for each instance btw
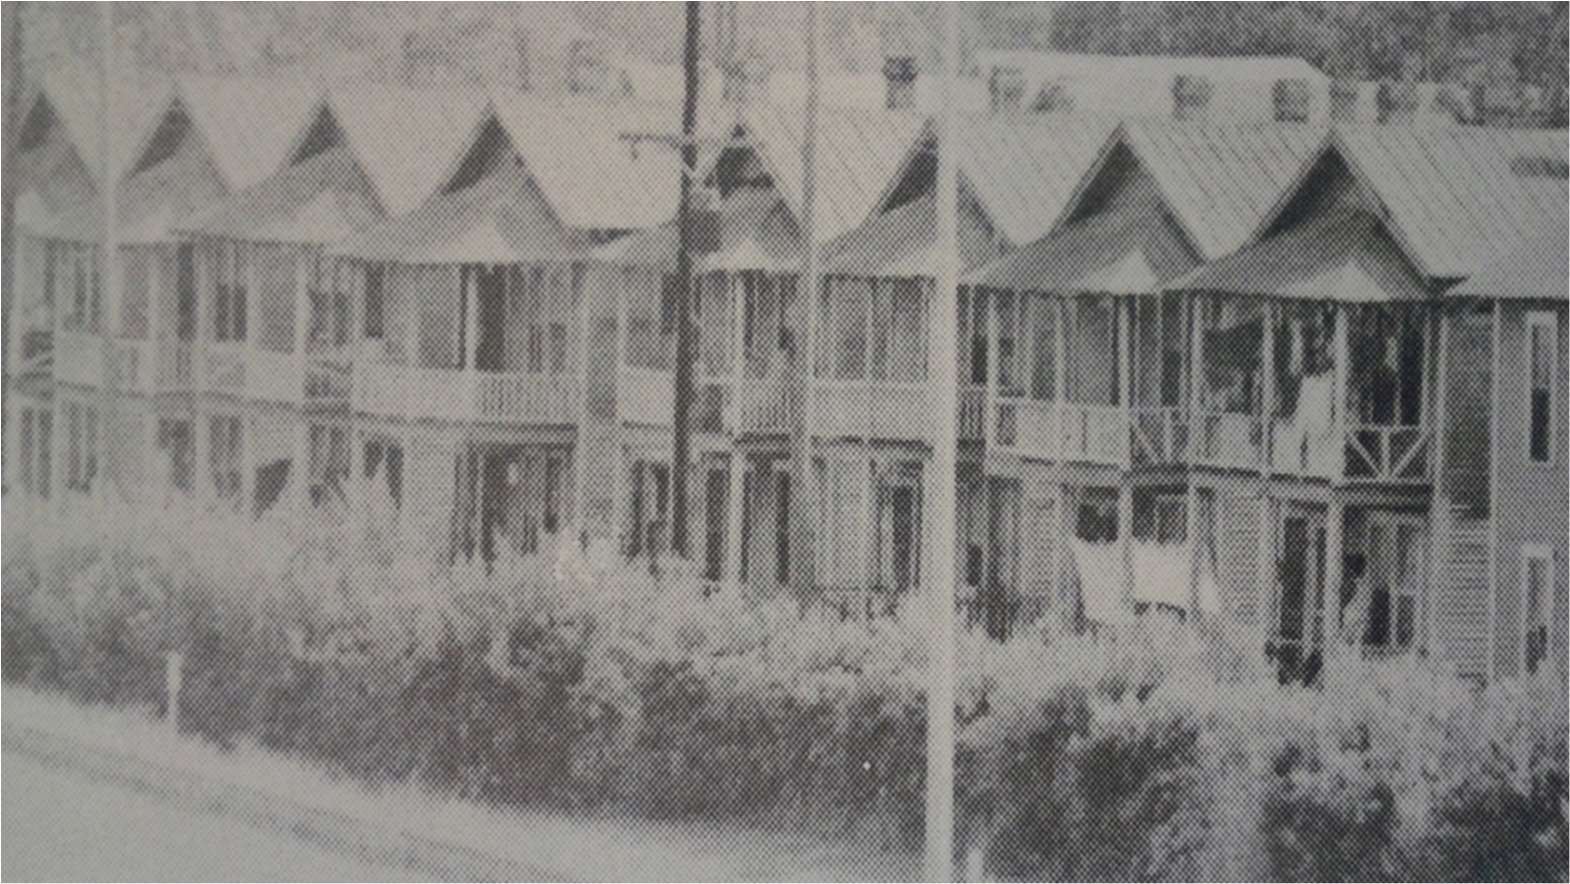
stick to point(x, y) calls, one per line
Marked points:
point(61, 825)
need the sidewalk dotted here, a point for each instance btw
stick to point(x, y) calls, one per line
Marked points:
point(404, 826)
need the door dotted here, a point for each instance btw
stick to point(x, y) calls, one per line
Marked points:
point(1300, 594)
point(1397, 570)
point(1002, 555)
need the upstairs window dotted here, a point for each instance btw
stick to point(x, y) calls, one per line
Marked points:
point(375, 325)
point(231, 272)
point(1543, 345)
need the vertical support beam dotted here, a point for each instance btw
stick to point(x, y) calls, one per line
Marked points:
point(580, 507)
point(1059, 371)
point(734, 502)
point(469, 290)
point(1335, 528)
point(992, 301)
point(202, 278)
point(247, 467)
point(1439, 502)
point(803, 505)
point(1195, 546)
point(1341, 370)
point(1126, 533)
point(1267, 386)
point(621, 487)
point(300, 470)
point(1266, 564)
point(867, 472)
point(302, 301)
point(1124, 307)
point(1196, 372)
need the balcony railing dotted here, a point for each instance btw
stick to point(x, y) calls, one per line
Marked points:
point(647, 396)
point(451, 394)
point(770, 406)
point(130, 365)
point(1095, 433)
point(1398, 454)
point(176, 366)
point(79, 358)
point(871, 409)
point(1159, 435)
point(1227, 440)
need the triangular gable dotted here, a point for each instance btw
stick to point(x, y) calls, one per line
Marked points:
point(1453, 198)
point(252, 125)
point(410, 143)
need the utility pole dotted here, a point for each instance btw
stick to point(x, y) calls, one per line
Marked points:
point(682, 419)
point(944, 350)
point(803, 503)
point(11, 23)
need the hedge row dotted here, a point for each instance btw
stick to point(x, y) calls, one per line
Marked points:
point(582, 685)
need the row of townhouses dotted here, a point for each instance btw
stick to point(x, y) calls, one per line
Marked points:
point(1216, 368)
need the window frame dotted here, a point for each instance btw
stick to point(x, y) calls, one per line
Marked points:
point(1544, 553)
point(1545, 319)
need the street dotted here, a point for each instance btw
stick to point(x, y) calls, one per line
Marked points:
point(61, 825)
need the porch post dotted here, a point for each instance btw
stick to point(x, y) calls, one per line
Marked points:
point(1191, 537)
point(1196, 368)
point(734, 502)
point(1267, 395)
point(867, 469)
point(1124, 308)
point(302, 301)
point(1126, 533)
point(738, 294)
point(1059, 370)
point(202, 280)
point(300, 472)
point(468, 288)
point(1335, 524)
point(620, 486)
point(1266, 565)
point(247, 467)
point(1342, 369)
point(1439, 502)
point(580, 508)
point(992, 352)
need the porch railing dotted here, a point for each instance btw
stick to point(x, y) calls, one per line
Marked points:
point(1159, 435)
point(452, 394)
point(176, 366)
point(871, 409)
point(1227, 440)
point(770, 405)
point(1398, 454)
point(130, 365)
point(1094, 433)
point(1029, 427)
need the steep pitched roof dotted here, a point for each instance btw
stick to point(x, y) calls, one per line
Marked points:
point(1220, 179)
point(137, 100)
point(322, 199)
point(593, 178)
point(1024, 171)
point(150, 203)
point(1342, 254)
point(250, 123)
point(859, 153)
point(1456, 198)
point(1537, 270)
point(407, 140)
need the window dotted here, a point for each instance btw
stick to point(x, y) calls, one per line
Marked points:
point(1543, 344)
point(374, 321)
point(81, 451)
point(174, 440)
point(231, 280)
point(1537, 603)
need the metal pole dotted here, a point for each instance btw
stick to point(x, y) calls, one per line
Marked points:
point(683, 392)
point(940, 690)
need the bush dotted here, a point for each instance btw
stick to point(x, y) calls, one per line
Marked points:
point(553, 681)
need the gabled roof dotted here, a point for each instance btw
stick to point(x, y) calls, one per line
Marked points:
point(1341, 254)
point(1129, 248)
point(320, 200)
point(150, 203)
point(1219, 179)
point(1024, 171)
point(250, 123)
point(137, 100)
point(1538, 270)
point(593, 178)
point(407, 140)
point(756, 232)
point(859, 153)
point(502, 218)
point(1456, 198)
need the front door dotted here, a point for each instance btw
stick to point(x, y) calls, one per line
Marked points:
point(1002, 554)
point(1300, 593)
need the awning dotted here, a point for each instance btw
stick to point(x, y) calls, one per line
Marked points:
point(320, 201)
point(1344, 255)
point(1128, 249)
point(501, 219)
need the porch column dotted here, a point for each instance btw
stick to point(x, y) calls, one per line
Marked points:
point(1059, 370)
point(201, 278)
point(1126, 533)
point(1067, 505)
point(1267, 386)
point(1266, 565)
point(1195, 547)
point(992, 355)
point(738, 295)
point(300, 471)
point(868, 469)
point(1196, 365)
point(580, 507)
point(734, 501)
point(1124, 309)
point(468, 291)
point(1439, 501)
point(1335, 524)
point(411, 336)
point(302, 301)
point(1341, 369)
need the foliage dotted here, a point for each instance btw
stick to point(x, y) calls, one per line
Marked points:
point(565, 682)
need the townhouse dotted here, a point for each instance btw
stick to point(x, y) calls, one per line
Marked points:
point(1213, 369)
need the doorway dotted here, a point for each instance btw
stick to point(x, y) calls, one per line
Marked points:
point(1300, 596)
point(490, 291)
